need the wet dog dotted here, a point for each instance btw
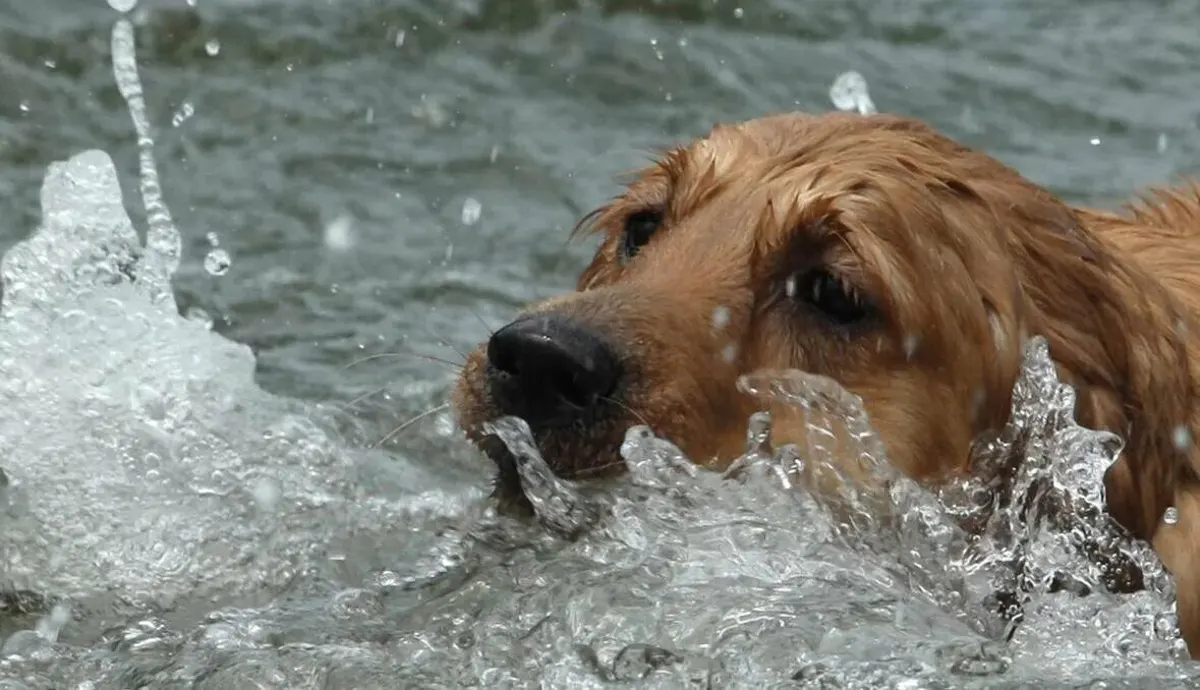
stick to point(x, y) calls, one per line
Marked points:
point(909, 268)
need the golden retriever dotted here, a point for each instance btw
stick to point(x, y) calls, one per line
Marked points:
point(877, 252)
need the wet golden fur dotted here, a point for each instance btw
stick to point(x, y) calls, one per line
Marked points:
point(963, 258)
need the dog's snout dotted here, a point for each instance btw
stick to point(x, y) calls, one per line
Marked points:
point(546, 369)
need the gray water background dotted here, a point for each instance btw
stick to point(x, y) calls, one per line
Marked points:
point(394, 113)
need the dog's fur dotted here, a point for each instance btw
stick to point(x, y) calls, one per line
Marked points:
point(961, 259)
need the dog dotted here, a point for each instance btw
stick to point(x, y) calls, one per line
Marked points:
point(909, 268)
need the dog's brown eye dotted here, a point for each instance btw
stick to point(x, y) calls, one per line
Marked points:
point(828, 295)
point(639, 228)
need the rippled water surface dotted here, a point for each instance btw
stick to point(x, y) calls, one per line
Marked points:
point(193, 493)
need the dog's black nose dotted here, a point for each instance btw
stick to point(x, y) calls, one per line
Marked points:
point(548, 370)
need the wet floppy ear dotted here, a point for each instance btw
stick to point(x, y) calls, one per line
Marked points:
point(1114, 331)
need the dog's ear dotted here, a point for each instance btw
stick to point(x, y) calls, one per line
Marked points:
point(1117, 335)
point(1120, 338)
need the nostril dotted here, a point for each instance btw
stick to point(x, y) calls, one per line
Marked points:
point(510, 350)
point(573, 391)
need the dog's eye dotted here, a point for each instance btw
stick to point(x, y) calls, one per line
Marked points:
point(830, 296)
point(639, 228)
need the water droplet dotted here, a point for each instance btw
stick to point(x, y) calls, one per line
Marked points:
point(339, 234)
point(267, 493)
point(213, 47)
point(849, 92)
point(1171, 516)
point(370, 115)
point(217, 262)
point(388, 578)
point(1095, 141)
point(470, 211)
point(50, 63)
point(24, 106)
point(52, 623)
point(213, 239)
point(789, 287)
point(122, 5)
point(1181, 436)
point(720, 318)
point(181, 116)
point(739, 13)
point(1163, 142)
point(729, 353)
point(399, 40)
point(911, 342)
point(200, 316)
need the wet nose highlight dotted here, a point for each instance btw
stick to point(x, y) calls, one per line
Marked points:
point(545, 368)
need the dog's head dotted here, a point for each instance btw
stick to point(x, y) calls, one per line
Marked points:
point(868, 249)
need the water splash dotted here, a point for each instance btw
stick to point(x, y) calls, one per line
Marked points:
point(163, 243)
point(559, 507)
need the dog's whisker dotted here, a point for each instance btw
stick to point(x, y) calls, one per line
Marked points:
point(455, 366)
point(444, 342)
point(404, 425)
point(488, 329)
point(628, 409)
point(358, 399)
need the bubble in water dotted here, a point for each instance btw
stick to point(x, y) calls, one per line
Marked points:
point(181, 116)
point(1171, 516)
point(339, 234)
point(849, 92)
point(1094, 141)
point(217, 262)
point(738, 13)
point(122, 5)
point(213, 47)
point(471, 210)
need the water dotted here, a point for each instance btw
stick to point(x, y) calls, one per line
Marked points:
point(202, 493)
